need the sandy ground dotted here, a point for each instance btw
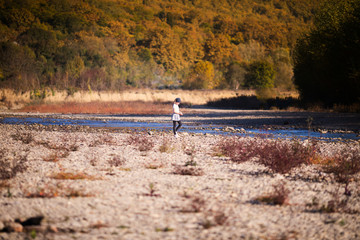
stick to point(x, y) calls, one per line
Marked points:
point(132, 191)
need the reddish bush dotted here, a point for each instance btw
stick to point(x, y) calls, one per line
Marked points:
point(278, 155)
point(238, 149)
point(344, 164)
point(188, 170)
point(282, 155)
point(142, 141)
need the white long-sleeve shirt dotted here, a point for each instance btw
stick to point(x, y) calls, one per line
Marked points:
point(176, 113)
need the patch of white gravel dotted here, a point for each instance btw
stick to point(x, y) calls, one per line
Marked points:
point(133, 194)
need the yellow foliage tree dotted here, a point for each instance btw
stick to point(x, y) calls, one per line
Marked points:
point(202, 76)
point(217, 47)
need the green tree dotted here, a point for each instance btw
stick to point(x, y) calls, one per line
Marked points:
point(19, 67)
point(43, 41)
point(327, 59)
point(260, 75)
point(235, 76)
point(74, 67)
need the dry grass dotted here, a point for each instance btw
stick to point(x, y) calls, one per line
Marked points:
point(142, 141)
point(116, 161)
point(188, 170)
point(4, 184)
point(344, 165)
point(166, 146)
point(279, 196)
point(11, 164)
point(197, 204)
point(51, 191)
point(125, 107)
point(213, 219)
point(26, 138)
point(152, 191)
point(73, 176)
point(55, 157)
point(66, 144)
point(195, 97)
point(154, 165)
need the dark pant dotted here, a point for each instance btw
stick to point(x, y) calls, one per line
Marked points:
point(178, 127)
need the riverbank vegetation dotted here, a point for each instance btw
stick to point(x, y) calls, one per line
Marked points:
point(327, 59)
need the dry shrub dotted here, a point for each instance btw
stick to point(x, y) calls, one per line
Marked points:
point(238, 149)
point(344, 164)
point(279, 155)
point(26, 138)
point(4, 184)
point(152, 191)
point(50, 191)
point(11, 164)
point(191, 162)
point(211, 217)
point(197, 204)
point(189, 149)
point(282, 156)
point(166, 146)
point(73, 176)
point(188, 170)
point(154, 165)
point(55, 157)
point(337, 204)
point(103, 139)
point(142, 141)
point(65, 144)
point(279, 196)
point(220, 218)
point(214, 218)
point(116, 161)
point(99, 225)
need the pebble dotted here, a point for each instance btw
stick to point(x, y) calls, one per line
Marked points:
point(225, 186)
point(38, 229)
point(53, 229)
point(13, 227)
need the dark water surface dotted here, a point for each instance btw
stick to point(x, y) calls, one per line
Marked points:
point(166, 126)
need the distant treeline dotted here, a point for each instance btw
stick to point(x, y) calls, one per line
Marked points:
point(114, 44)
point(253, 103)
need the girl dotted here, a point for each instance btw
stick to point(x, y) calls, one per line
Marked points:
point(176, 116)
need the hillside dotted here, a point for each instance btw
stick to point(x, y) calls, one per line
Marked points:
point(114, 44)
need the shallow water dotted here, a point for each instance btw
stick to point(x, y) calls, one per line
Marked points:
point(204, 129)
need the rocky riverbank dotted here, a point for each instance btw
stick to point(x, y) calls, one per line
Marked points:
point(61, 182)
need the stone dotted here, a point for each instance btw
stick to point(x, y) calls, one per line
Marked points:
point(38, 229)
point(13, 227)
point(53, 229)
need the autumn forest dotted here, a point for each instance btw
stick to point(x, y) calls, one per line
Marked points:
point(96, 45)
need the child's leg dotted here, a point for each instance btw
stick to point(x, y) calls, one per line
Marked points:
point(174, 127)
point(179, 126)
